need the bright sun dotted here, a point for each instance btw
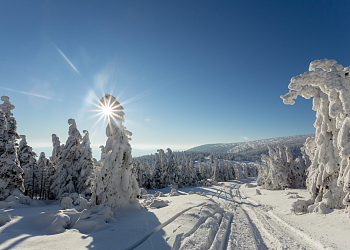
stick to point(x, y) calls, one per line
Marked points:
point(107, 111)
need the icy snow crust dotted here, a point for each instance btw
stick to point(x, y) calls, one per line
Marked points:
point(230, 216)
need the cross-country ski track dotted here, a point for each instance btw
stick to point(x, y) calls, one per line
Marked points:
point(232, 221)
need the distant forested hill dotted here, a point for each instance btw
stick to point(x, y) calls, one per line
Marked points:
point(252, 150)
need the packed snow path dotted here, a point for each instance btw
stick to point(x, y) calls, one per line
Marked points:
point(234, 221)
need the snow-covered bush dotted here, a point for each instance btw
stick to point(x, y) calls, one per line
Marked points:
point(66, 203)
point(329, 85)
point(300, 207)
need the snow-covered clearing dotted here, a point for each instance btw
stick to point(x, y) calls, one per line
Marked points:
point(228, 216)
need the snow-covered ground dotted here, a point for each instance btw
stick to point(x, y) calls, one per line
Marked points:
point(227, 216)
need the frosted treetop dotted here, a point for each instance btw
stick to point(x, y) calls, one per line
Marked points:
point(110, 103)
point(326, 75)
point(7, 106)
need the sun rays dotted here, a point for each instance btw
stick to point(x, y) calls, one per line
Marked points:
point(109, 109)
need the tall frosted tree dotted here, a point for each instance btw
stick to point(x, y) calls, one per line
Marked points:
point(157, 172)
point(10, 169)
point(85, 166)
point(29, 165)
point(116, 185)
point(172, 171)
point(65, 158)
point(329, 173)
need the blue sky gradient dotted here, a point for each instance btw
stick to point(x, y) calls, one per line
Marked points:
point(189, 72)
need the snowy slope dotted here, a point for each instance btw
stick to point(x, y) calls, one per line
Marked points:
point(250, 146)
point(227, 216)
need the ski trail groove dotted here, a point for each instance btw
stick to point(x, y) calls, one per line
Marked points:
point(144, 238)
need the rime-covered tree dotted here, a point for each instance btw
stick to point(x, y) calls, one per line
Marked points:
point(147, 181)
point(329, 85)
point(28, 163)
point(65, 159)
point(157, 173)
point(85, 166)
point(42, 175)
point(172, 171)
point(10, 169)
point(56, 150)
point(116, 185)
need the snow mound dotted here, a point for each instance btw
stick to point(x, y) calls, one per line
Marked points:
point(4, 217)
point(191, 192)
point(82, 202)
point(11, 198)
point(173, 192)
point(156, 203)
point(60, 224)
point(94, 219)
point(16, 200)
point(294, 196)
point(319, 208)
point(299, 207)
point(159, 194)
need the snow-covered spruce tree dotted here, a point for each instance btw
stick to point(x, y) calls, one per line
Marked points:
point(28, 163)
point(329, 84)
point(85, 166)
point(42, 175)
point(158, 173)
point(281, 170)
point(147, 181)
point(171, 175)
point(116, 186)
point(56, 149)
point(278, 169)
point(10, 169)
point(188, 174)
point(66, 157)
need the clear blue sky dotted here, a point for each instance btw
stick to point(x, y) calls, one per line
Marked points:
point(189, 72)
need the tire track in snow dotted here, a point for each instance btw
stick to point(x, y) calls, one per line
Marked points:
point(149, 234)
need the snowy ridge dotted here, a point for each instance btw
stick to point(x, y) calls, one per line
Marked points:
point(241, 147)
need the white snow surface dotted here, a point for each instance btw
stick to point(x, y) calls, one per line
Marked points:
point(230, 216)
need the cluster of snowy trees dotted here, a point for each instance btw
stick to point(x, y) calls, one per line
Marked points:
point(280, 171)
point(10, 168)
point(187, 168)
point(71, 168)
point(328, 178)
